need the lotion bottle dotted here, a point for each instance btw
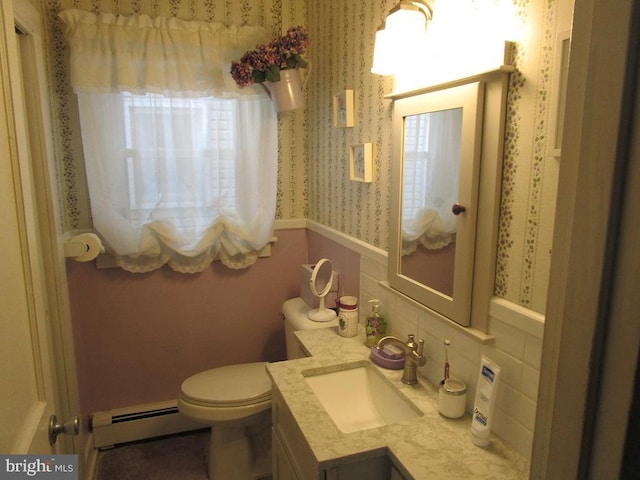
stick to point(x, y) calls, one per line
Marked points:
point(485, 401)
point(376, 325)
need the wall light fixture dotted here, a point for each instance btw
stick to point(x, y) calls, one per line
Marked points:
point(400, 36)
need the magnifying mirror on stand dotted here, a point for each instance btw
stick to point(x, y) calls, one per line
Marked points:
point(320, 283)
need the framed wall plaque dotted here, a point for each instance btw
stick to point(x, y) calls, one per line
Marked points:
point(361, 162)
point(343, 108)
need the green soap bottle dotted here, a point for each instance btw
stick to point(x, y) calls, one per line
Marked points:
point(376, 325)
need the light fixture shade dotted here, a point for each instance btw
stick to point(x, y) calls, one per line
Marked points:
point(396, 42)
point(406, 19)
point(383, 63)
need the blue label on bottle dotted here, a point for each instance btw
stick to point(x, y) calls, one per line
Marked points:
point(488, 374)
point(479, 417)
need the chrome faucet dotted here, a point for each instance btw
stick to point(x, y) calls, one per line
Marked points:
point(413, 353)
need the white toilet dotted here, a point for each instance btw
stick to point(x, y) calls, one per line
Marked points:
point(236, 401)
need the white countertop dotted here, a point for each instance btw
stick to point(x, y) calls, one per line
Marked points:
point(430, 446)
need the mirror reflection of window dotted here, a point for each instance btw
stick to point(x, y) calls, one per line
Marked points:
point(438, 146)
point(431, 174)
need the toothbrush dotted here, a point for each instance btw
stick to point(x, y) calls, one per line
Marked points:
point(446, 359)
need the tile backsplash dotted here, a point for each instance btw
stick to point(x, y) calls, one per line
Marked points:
point(514, 342)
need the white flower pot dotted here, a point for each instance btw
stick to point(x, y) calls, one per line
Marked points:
point(287, 93)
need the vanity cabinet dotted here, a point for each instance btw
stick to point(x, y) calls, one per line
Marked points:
point(376, 468)
point(282, 464)
point(292, 458)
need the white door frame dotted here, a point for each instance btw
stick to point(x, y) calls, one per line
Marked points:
point(576, 317)
point(27, 20)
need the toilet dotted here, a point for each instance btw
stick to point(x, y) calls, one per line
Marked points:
point(235, 401)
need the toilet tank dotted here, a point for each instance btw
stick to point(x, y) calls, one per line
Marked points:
point(294, 314)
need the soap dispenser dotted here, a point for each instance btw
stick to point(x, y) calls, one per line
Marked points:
point(376, 326)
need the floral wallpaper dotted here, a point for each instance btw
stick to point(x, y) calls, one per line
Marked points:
point(313, 179)
point(343, 31)
point(529, 172)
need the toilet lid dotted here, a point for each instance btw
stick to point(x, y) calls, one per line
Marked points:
point(233, 385)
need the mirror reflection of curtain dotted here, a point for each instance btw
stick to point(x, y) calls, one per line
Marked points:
point(431, 171)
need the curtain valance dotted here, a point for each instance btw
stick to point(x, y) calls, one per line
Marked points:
point(140, 54)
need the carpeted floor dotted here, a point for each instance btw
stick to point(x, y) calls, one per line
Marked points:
point(178, 457)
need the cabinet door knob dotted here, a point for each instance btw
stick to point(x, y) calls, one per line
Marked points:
point(457, 209)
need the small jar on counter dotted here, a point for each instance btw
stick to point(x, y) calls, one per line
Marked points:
point(348, 316)
point(452, 398)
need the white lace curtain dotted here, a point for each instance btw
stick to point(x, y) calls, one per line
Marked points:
point(181, 163)
point(430, 179)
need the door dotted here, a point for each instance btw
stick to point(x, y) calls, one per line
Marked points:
point(31, 394)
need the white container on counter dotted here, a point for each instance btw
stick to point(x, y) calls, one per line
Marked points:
point(452, 398)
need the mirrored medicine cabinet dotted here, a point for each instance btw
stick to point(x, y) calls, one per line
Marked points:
point(445, 194)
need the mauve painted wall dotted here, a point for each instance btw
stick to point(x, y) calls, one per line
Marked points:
point(138, 336)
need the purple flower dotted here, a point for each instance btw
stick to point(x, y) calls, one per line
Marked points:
point(265, 62)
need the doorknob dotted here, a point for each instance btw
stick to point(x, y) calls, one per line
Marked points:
point(457, 209)
point(70, 427)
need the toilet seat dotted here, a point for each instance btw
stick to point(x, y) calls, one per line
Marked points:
point(234, 393)
point(230, 386)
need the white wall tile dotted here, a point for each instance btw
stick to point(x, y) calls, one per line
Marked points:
point(508, 339)
point(530, 381)
point(512, 432)
point(516, 351)
point(533, 351)
point(516, 405)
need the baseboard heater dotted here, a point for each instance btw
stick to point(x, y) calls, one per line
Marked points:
point(111, 427)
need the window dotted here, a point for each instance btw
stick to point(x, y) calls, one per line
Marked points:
point(181, 163)
point(202, 140)
point(416, 155)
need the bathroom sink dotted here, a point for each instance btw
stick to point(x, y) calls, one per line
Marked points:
point(358, 397)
